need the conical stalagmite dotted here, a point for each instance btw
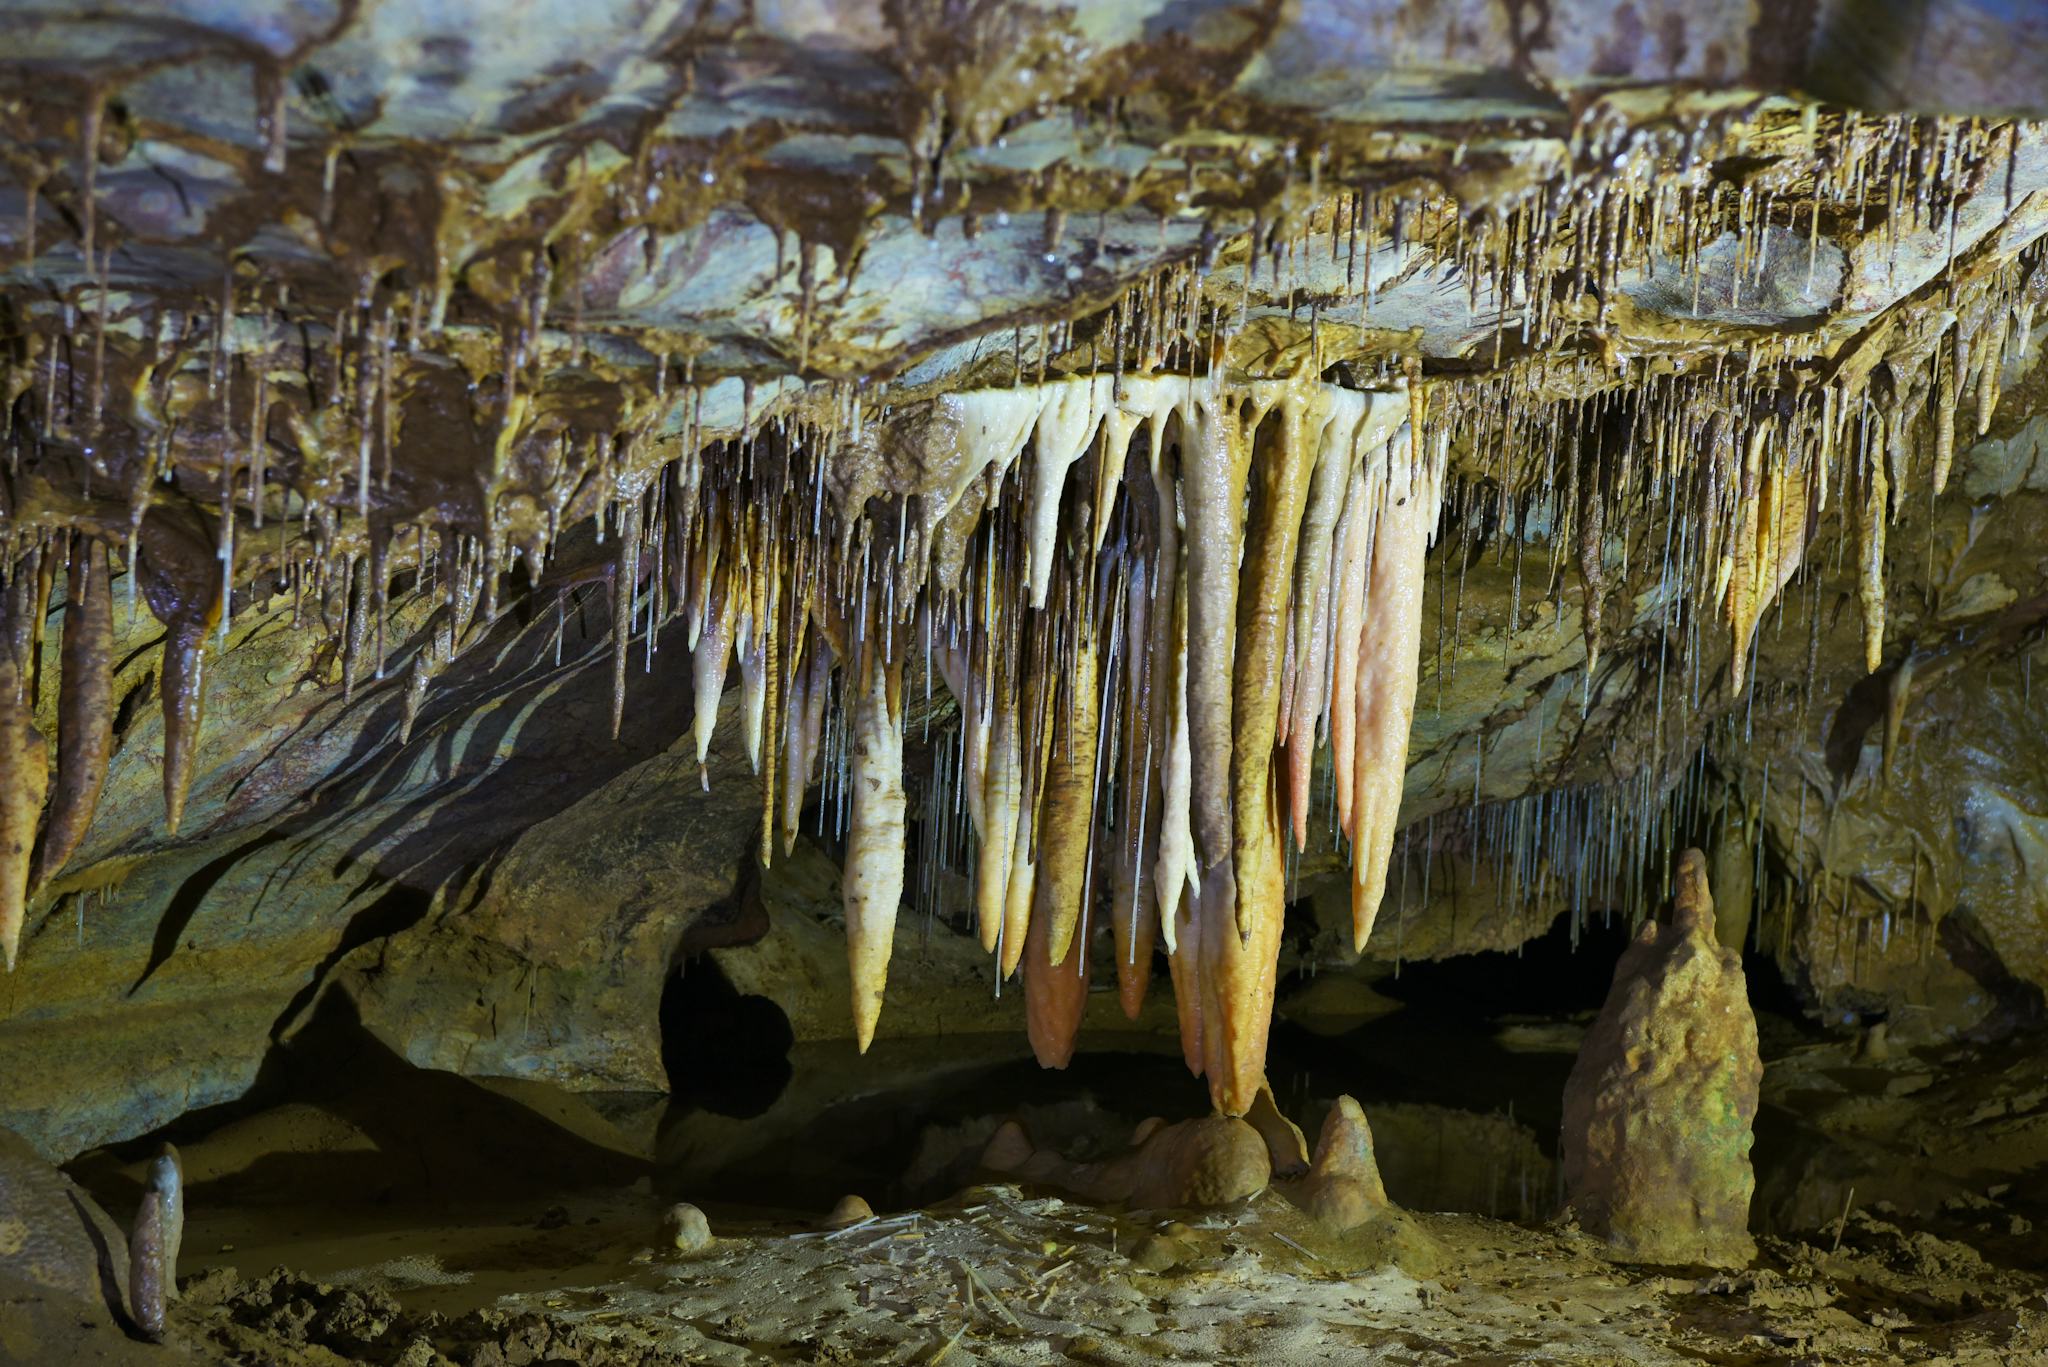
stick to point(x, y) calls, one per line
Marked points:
point(1344, 1190)
point(1657, 1111)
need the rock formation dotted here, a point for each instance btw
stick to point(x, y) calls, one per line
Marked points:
point(147, 1274)
point(62, 1259)
point(684, 1229)
point(1189, 1164)
point(167, 1180)
point(1468, 457)
point(1343, 1188)
point(1658, 1108)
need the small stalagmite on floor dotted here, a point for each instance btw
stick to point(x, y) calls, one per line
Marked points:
point(1658, 1108)
point(1343, 1189)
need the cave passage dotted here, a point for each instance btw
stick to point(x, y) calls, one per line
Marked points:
point(979, 681)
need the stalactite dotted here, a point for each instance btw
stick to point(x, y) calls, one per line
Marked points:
point(1066, 836)
point(1055, 995)
point(1388, 665)
point(24, 760)
point(873, 878)
point(85, 711)
point(1280, 483)
point(1214, 463)
point(1132, 914)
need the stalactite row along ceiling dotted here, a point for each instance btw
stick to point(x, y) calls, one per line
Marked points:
point(1128, 418)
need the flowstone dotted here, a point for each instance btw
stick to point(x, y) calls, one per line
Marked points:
point(1657, 1110)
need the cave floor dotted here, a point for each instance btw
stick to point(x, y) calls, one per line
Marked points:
point(409, 1217)
point(999, 1276)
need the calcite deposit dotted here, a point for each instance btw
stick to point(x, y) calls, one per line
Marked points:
point(1179, 494)
point(1184, 1165)
point(1659, 1107)
point(1343, 1189)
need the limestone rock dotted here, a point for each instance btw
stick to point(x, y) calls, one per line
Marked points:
point(1658, 1107)
point(1343, 1190)
point(850, 1210)
point(60, 1256)
point(684, 1229)
point(1214, 1161)
point(1285, 1143)
point(1157, 1253)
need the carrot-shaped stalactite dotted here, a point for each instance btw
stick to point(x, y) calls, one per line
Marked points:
point(85, 706)
point(872, 884)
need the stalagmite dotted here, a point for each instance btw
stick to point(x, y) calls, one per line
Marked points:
point(167, 1180)
point(1344, 1190)
point(146, 1281)
point(85, 707)
point(1389, 663)
point(872, 883)
point(1657, 1110)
